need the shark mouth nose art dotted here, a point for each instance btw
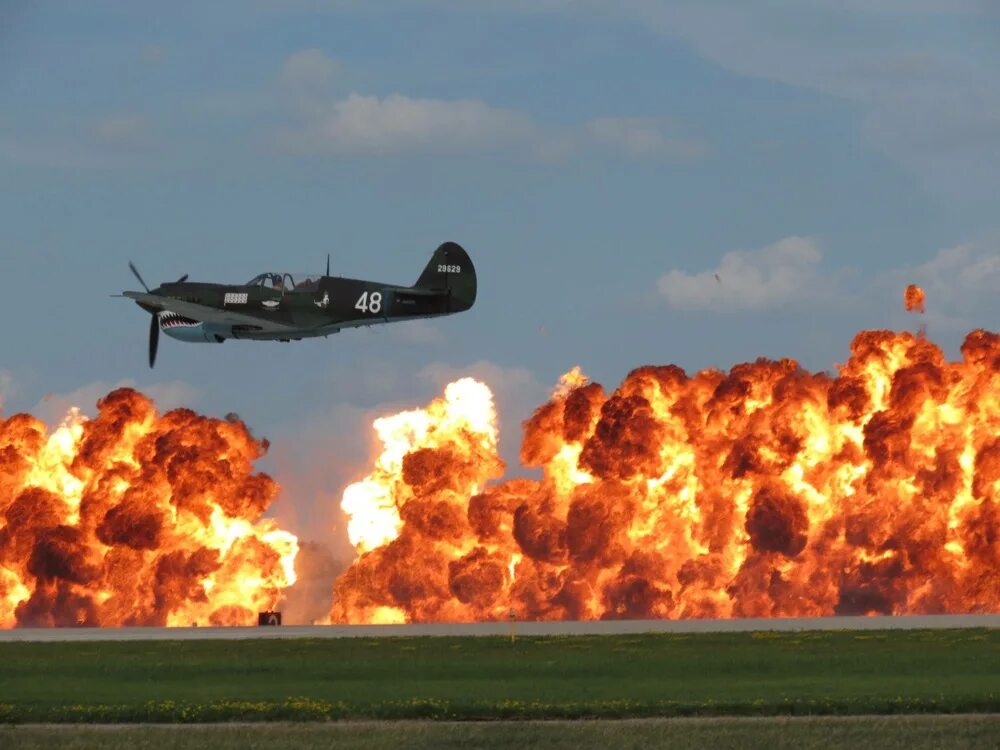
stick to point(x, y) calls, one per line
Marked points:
point(170, 320)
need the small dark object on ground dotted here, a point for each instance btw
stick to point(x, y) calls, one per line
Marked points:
point(268, 618)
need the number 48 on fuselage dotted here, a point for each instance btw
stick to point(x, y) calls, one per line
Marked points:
point(287, 307)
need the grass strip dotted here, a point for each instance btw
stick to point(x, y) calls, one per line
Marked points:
point(607, 677)
point(870, 732)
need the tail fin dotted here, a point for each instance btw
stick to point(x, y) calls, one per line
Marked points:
point(451, 270)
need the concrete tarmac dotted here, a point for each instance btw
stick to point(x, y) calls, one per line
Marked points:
point(598, 627)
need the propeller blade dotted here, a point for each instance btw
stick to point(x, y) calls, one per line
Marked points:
point(154, 338)
point(182, 279)
point(132, 266)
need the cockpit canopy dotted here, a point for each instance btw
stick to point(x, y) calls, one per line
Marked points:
point(286, 282)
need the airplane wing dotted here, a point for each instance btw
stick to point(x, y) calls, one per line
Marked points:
point(207, 314)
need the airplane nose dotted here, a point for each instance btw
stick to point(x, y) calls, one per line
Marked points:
point(185, 329)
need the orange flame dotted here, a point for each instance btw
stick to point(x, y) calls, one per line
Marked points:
point(765, 491)
point(133, 518)
point(914, 298)
point(432, 461)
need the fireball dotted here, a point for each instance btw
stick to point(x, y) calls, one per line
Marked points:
point(914, 299)
point(765, 491)
point(135, 518)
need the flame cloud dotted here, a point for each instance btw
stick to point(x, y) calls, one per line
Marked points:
point(914, 299)
point(133, 518)
point(762, 492)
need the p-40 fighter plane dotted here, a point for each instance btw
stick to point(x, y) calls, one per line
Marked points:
point(284, 306)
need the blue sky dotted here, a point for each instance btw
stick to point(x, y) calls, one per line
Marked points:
point(601, 162)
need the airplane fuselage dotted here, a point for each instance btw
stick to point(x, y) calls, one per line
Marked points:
point(333, 304)
point(285, 307)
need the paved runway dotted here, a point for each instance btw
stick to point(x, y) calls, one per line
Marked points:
point(602, 627)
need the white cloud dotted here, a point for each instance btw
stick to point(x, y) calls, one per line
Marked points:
point(773, 276)
point(6, 387)
point(397, 124)
point(368, 125)
point(115, 141)
point(417, 333)
point(52, 408)
point(964, 270)
point(903, 7)
point(169, 395)
point(534, 7)
point(309, 68)
point(499, 377)
point(962, 285)
point(310, 118)
point(643, 137)
point(927, 100)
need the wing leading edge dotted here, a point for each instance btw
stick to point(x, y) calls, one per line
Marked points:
point(206, 314)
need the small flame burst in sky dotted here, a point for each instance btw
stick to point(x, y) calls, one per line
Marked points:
point(914, 298)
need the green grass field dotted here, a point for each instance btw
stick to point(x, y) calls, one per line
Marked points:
point(771, 733)
point(752, 674)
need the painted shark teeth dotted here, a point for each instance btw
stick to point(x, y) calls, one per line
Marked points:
point(173, 320)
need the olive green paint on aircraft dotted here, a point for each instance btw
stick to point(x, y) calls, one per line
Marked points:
point(280, 307)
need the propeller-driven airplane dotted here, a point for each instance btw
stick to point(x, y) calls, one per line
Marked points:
point(286, 307)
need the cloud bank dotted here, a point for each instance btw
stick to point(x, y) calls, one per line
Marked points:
point(772, 276)
point(962, 282)
point(396, 124)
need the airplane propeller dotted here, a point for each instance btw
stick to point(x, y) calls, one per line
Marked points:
point(154, 322)
point(134, 270)
point(154, 338)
